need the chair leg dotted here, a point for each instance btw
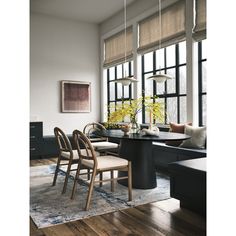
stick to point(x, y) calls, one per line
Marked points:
point(88, 174)
point(100, 178)
point(67, 177)
point(75, 181)
point(112, 181)
point(130, 181)
point(90, 190)
point(56, 171)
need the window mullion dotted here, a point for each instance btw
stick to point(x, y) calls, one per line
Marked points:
point(108, 91)
point(177, 81)
point(115, 86)
point(200, 82)
point(143, 89)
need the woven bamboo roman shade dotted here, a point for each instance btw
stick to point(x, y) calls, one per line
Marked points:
point(115, 48)
point(200, 26)
point(173, 28)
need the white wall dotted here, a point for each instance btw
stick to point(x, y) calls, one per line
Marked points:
point(62, 50)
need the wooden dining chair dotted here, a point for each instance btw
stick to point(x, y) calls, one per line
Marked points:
point(67, 154)
point(100, 144)
point(102, 164)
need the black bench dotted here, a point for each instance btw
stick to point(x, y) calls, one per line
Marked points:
point(164, 154)
point(188, 184)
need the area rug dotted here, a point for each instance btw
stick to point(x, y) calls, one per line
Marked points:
point(48, 207)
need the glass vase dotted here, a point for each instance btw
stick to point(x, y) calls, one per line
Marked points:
point(134, 127)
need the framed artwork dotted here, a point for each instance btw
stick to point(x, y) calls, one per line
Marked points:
point(75, 96)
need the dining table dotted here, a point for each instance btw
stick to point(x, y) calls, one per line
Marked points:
point(137, 148)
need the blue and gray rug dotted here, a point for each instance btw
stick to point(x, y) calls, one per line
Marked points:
point(49, 207)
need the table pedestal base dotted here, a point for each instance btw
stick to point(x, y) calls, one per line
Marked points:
point(139, 152)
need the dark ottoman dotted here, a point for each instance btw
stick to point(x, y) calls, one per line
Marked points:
point(188, 183)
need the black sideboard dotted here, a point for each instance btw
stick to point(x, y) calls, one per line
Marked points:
point(36, 140)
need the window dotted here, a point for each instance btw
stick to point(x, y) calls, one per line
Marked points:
point(202, 81)
point(172, 61)
point(116, 93)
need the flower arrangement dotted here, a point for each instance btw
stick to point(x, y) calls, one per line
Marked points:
point(133, 107)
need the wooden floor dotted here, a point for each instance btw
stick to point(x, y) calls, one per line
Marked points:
point(159, 218)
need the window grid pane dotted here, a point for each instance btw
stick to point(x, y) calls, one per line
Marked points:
point(148, 84)
point(204, 76)
point(112, 91)
point(172, 109)
point(170, 55)
point(183, 110)
point(160, 58)
point(182, 80)
point(112, 73)
point(148, 61)
point(182, 52)
point(171, 83)
point(204, 109)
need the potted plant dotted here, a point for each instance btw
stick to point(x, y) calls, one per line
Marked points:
point(133, 107)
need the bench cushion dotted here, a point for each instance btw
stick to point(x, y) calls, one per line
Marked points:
point(194, 166)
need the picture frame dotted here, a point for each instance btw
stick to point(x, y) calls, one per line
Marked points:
point(75, 96)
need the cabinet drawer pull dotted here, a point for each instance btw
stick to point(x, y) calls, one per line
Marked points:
point(32, 136)
point(32, 149)
point(32, 126)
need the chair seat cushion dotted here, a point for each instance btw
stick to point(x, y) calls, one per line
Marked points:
point(105, 162)
point(67, 154)
point(75, 154)
point(104, 145)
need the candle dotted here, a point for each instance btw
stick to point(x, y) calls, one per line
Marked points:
point(150, 119)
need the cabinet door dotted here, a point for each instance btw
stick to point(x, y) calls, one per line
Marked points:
point(36, 139)
point(36, 130)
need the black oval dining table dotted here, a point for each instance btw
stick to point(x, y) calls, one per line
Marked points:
point(137, 148)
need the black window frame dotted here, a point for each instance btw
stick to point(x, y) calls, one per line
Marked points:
point(165, 95)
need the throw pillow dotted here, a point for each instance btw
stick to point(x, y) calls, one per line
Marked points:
point(198, 137)
point(176, 128)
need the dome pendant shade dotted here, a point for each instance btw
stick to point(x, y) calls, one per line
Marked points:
point(160, 78)
point(125, 81)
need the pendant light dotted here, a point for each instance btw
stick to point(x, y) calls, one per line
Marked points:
point(160, 78)
point(126, 80)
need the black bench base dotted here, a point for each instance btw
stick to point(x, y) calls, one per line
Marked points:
point(188, 184)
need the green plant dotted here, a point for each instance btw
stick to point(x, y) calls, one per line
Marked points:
point(133, 107)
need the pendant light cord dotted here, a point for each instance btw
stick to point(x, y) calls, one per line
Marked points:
point(160, 32)
point(125, 31)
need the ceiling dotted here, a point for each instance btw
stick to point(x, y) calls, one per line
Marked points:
point(92, 11)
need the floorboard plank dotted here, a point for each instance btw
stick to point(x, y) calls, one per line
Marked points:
point(101, 226)
point(34, 231)
point(171, 221)
point(130, 225)
point(80, 228)
point(59, 230)
point(173, 207)
point(153, 221)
